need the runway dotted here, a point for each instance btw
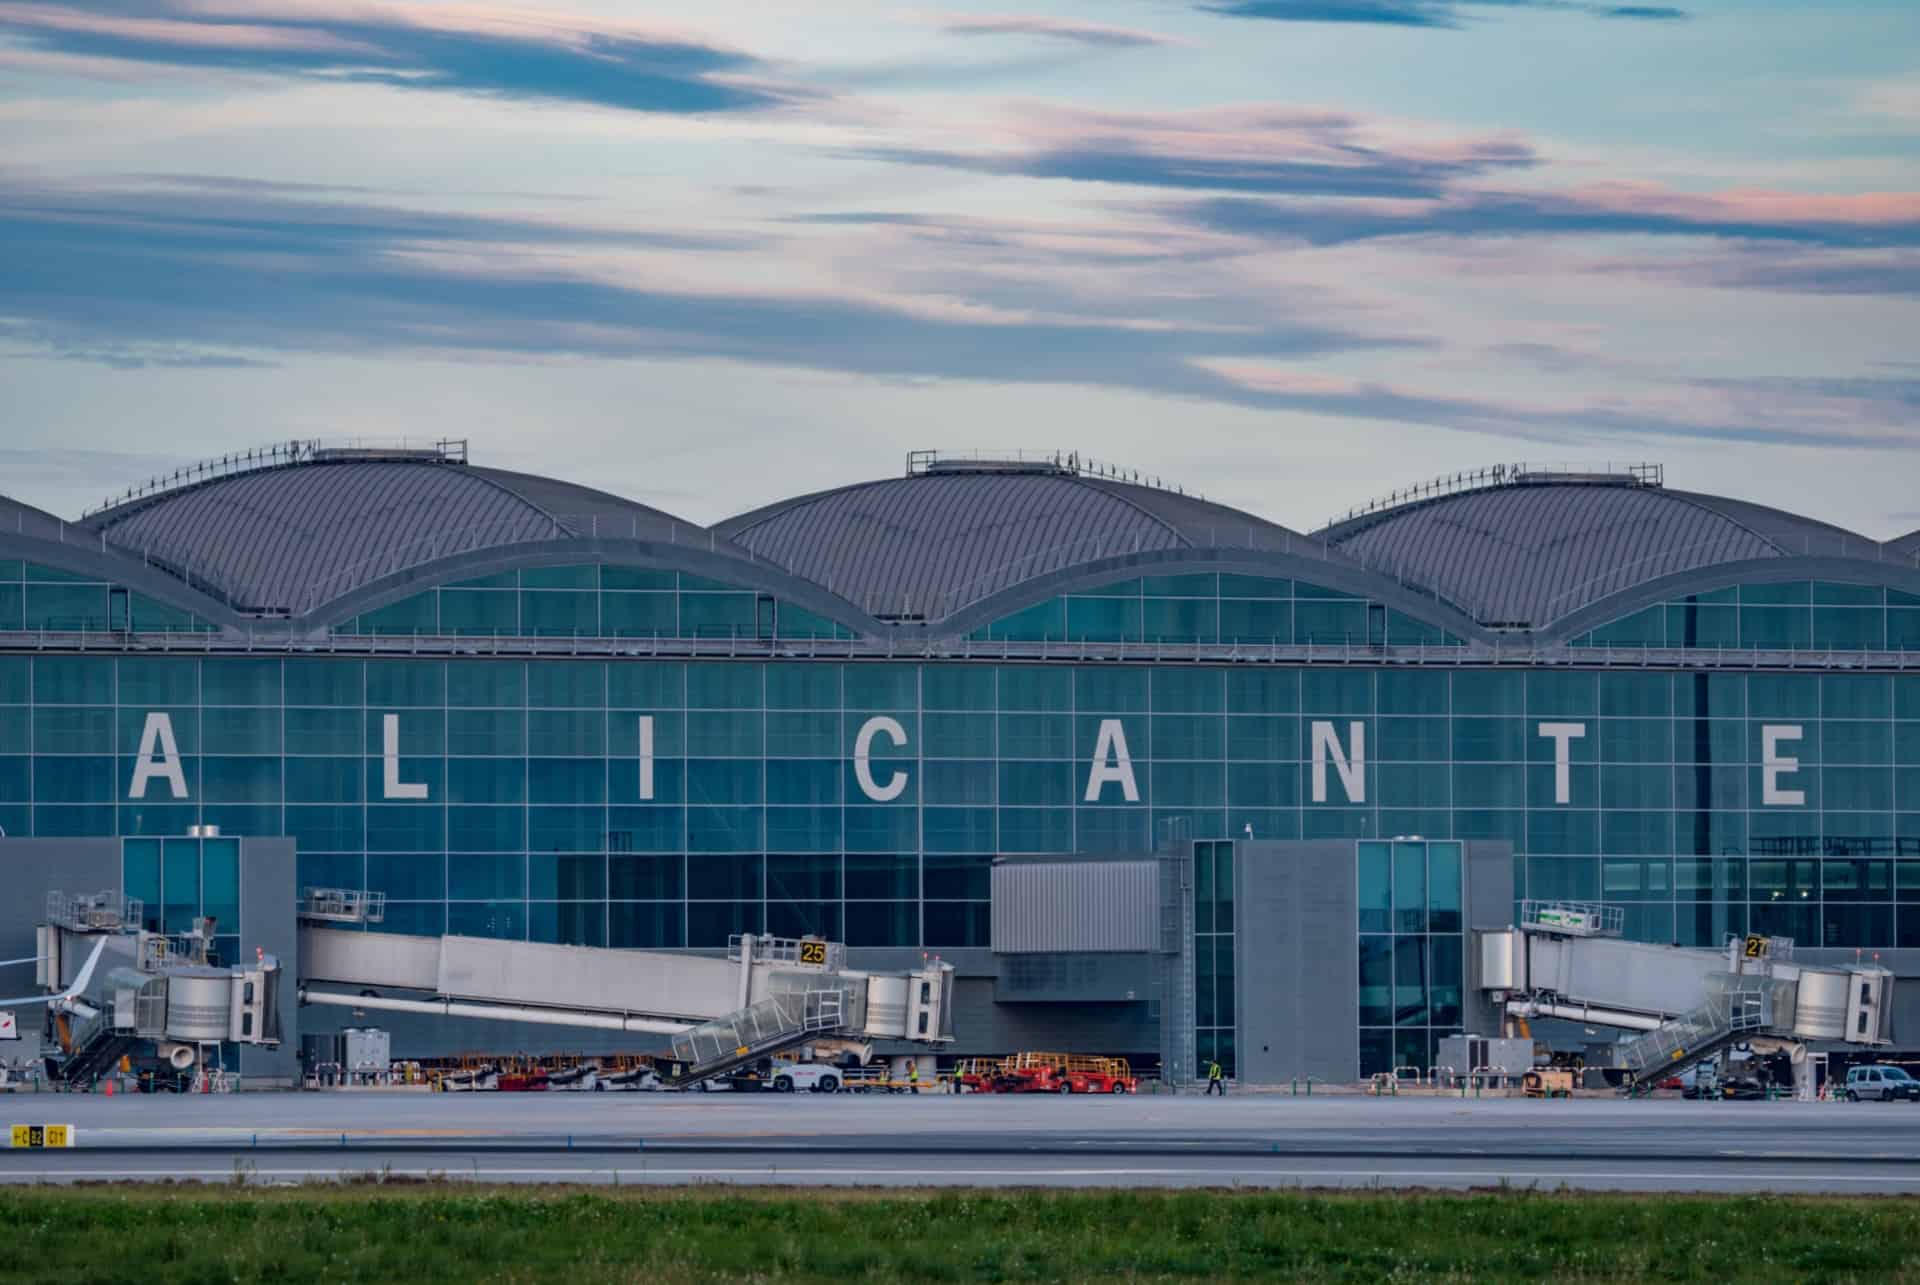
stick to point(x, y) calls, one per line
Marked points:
point(1251, 1140)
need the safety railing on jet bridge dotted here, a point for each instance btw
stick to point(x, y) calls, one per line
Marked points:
point(831, 955)
point(94, 912)
point(1573, 918)
point(768, 1024)
point(343, 905)
point(1705, 1028)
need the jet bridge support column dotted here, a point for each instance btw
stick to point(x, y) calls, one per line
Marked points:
point(746, 970)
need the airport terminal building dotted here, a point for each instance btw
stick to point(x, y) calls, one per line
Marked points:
point(1158, 776)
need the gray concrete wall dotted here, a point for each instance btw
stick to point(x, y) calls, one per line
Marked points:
point(982, 1025)
point(1075, 978)
point(1296, 978)
point(1296, 970)
point(1489, 900)
point(29, 870)
point(268, 922)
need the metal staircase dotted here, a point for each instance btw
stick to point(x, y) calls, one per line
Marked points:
point(1692, 1038)
point(95, 1046)
point(769, 1026)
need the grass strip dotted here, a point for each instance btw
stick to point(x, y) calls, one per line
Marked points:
point(455, 1233)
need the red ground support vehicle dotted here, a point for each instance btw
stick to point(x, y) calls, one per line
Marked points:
point(976, 1074)
point(523, 1082)
point(1097, 1075)
point(1046, 1073)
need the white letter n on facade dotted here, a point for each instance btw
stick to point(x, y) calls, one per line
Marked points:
point(1352, 769)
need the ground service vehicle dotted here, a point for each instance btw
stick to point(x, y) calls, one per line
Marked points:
point(1547, 1083)
point(1046, 1073)
point(809, 1076)
point(1097, 1075)
point(1881, 1083)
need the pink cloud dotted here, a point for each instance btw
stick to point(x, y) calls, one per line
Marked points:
point(1752, 205)
point(1274, 379)
point(170, 31)
point(1086, 33)
point(1256, 132)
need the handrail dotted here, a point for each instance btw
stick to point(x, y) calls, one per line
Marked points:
point(275, 455)
point(282, 454)
point(1574, 918)
point(1065, 463)
point(283, 641)
point(1494, 475)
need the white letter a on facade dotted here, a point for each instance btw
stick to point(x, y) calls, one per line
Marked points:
point(159, 756)
point(1112, 762)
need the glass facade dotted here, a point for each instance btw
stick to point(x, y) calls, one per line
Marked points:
point(181, 880)
point(1412, 959)
point(1213, 609)
point(35, 598)
point(649, 803)
point(1213, 964)
point(594, 600)
point(1798, 615)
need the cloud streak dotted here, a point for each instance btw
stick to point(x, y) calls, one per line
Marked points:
point(1252, 150)
point(468, 49)
point(1434, 14)
point(1872, 221)
point(287, 276)
point(1856, 413)
point(1098, 35)
point(107, 270)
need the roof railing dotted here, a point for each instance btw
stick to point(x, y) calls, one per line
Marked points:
point(1056, 463)
point(1522, 474)
point(1333, 651)
point(282, 454)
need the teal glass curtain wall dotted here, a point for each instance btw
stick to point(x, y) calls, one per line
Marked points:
point(1206, 608)
point(593, 600)
point(1706, 803)
point(1797, 615)
point(1412, 961)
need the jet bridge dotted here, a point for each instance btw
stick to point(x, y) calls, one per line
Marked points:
point(767, 994)
point(120, 991)
point(1568, 960)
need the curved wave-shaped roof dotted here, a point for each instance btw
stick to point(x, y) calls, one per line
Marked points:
point(1529, 552)
point(930, 543)
point(287, 539)
point(19, 518)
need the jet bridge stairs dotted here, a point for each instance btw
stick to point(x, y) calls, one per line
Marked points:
point(766, 996)
point(96, 1048)
point(1726, 1019)
point(1684, 1005)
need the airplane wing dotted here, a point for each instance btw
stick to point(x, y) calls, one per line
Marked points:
point(80, 983)
point(30, 959)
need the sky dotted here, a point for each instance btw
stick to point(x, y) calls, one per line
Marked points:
point(1289, 254)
